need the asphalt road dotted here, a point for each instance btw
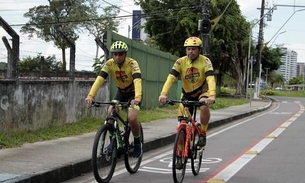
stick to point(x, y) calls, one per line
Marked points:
point(267, 147)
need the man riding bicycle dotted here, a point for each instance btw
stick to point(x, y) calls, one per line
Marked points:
point(127, 76)
point(198, 82)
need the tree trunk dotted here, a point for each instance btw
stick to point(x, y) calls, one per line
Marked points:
point(240, 71)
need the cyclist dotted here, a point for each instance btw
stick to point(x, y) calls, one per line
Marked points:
point(127, 76)
point(198, 82)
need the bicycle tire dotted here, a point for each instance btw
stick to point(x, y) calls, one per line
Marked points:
point(132, 163)
point(104, 161)
point(178, 173)
point(196, 154)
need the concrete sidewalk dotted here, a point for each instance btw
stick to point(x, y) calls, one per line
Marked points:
point(61, 159)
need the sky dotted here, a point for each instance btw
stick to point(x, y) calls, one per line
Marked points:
point(286, 28)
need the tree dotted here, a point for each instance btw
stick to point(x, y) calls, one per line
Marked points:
point(169, 23)
point(61, 20)
point(3, 66)
point(99, 24)
point(39, 63)
point(296, 80)
point(229, 44)
point(271, 58)
point(276, 79)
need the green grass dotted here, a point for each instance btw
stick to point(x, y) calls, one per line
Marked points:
point(17, 138)
point(290, 93)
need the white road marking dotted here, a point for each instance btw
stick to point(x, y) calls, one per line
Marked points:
point(228, 172)
point(234, 167)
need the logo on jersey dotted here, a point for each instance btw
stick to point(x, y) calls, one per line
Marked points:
point(121, 76)
point(192, 74)
point(177, 64)
point(209, 64)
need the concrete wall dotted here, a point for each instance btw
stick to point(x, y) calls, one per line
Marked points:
point(34, 104)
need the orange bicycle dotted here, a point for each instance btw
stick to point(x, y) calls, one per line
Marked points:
point(187, 136)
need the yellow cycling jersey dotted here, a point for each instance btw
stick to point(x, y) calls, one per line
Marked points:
point(127, 77)
point(197, 77)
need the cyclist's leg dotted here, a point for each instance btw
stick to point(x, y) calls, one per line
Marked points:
point(136, 130)
point(118, 97)
point(204, 119)
point(133, 114)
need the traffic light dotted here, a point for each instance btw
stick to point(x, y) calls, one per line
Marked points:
point(204, 26)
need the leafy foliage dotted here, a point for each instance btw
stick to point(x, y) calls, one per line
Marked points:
point(276, 79)
point(98, 64)
point(60, 21)
point(271, 58)
point(296, 80)
point(39, 63)
point(170, 22)
point(3, 66)
point(267, 92)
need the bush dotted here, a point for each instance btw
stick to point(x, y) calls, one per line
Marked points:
point(267, 92)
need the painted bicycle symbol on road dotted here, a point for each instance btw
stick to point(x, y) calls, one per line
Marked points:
point(167, 169)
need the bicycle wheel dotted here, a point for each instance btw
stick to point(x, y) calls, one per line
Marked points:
point(132, 163)
point(196, 156)
point(179, 162)
point(104, 154)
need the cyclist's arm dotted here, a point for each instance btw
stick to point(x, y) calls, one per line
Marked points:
point(99, 81)
point(137, 79)
point(138, 87)
point(171, 79)
point(210, 79)
point(211, 86)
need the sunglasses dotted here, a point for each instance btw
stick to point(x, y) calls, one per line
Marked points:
point(117, 54)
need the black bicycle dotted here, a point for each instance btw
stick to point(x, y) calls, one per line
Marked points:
point(111, 142)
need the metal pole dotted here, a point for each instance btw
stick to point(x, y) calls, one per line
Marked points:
point(205, 28)
point(251, 73)
point(260, 38)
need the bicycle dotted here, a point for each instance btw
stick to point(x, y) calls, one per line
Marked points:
point(110, 143)
point(187, 135)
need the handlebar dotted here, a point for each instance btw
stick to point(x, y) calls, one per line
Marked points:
point(113, 103)
point(186, 102)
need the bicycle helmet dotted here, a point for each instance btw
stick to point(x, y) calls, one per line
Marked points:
point(193, 41)
point(119, 46)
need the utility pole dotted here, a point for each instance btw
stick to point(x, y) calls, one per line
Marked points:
point(267, 74)
point(260, 39)
point(204, 26)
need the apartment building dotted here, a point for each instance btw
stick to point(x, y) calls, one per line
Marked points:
point(289, 64)
point(301, 69)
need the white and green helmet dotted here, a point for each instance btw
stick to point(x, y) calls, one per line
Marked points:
point(119, 46)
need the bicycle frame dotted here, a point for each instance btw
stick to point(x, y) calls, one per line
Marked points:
point(116, 117)
point(189, 123)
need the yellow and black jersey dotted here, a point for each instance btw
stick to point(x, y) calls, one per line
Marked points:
point(197, 77)
point(127, 77)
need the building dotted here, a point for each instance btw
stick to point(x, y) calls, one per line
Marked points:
point(301, 69)
point(137, 25)
point(289, 64)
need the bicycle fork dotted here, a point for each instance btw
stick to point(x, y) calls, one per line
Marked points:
point(185, 150)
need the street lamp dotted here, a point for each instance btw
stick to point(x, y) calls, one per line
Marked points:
point(286, 22)
point(276, 37)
